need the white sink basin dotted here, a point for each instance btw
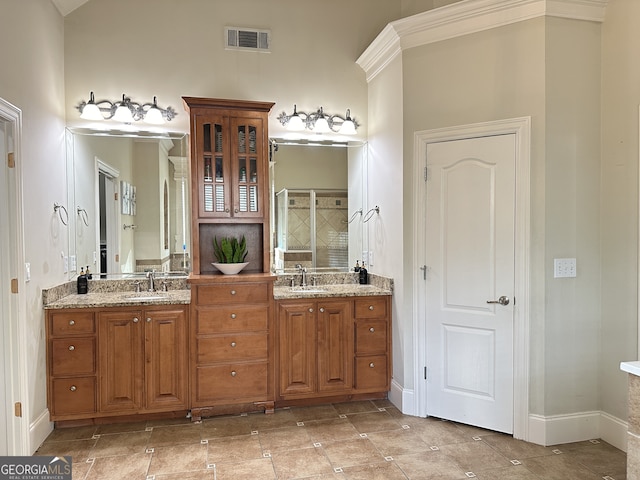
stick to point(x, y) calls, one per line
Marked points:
point(309, 289)
point(146, 297)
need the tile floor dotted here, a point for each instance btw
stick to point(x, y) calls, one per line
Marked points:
point(350, 441)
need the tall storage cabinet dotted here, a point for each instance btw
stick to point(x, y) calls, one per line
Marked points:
point(229, 178)
point(231, 366)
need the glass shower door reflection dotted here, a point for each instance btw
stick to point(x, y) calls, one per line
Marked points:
point(312, 229)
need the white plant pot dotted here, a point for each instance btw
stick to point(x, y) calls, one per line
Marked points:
point(230, 268)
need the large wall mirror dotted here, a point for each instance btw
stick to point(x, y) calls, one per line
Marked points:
point(129, 202)
point(317, 198)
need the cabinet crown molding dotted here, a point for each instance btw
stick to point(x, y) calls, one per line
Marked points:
point(467, 17)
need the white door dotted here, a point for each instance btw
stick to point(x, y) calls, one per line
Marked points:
point(470, 267)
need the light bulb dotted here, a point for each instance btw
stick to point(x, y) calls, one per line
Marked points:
point(154, 115)
point(91, 111)
point(123, 112)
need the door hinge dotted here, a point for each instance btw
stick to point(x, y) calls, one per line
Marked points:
point(425, 373)
point(14, 285)
point(115, 196)
point(11, 160)
point(17, 408)
point(426, 175)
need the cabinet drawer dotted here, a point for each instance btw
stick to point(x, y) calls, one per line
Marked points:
point(371, 336)
point(72, 323)
point(247, 381)
point(232, 348)
point(232, 293)
point(231, 319)
point(371, 373)
point(72, 396)
point(371, 307)
point(73, 356)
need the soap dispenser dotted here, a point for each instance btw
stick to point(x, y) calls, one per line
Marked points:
point(364, 275)
point(83, 284)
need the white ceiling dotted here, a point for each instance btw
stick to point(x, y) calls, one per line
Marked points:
point(67, 6)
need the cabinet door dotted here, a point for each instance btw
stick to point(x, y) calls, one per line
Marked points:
point(213, 167)
point(297, 341)
point(121, 350)
point(248, 167)
point(335, 346)
point(165, 362)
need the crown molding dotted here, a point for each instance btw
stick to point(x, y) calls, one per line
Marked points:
point(463, 18)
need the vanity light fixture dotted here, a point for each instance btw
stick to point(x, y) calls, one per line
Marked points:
point(319, 122)
point(125, 111)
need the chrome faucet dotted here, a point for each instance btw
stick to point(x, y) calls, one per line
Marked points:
point(151, 277)
point(303, 272)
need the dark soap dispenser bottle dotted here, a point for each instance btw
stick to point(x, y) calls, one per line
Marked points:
point(83, 284)
point(364, 275)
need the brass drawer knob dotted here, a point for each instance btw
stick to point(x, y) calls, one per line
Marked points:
point(233, 292)
point(372, 329)
point(71, 348)
point(148, 319)
point(136, 319)
point(370, 307)
point(73, 388)
point(371, 365)
point(233, 344)
point(233, 315)
point(311, 310)
point(72, 322)
point(321, 310)
point(234, 373)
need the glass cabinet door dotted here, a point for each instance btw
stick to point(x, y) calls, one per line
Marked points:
point(213, 167)
point(248, 160)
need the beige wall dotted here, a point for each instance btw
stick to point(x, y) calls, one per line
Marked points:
point(619, 206)
point(31, 78)
point(491, 75)
point(548, 69)
point(311, 64)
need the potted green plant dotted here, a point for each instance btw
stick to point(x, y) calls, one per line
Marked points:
point(231, 254)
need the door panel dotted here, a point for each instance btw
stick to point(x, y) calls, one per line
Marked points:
point(470, 258)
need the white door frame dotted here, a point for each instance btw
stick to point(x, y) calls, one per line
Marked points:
point(112, 213)
point(15, 357)
point(521, 127)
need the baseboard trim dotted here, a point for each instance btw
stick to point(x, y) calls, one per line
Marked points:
point(578, 427)
point(552, 430)
point(614, 431)
point(402, 398)
point(39, 430)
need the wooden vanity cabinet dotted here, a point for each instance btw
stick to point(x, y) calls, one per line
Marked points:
point(372, 344)
point(71, 363)
point(333, 347)
point(143, 359)
point(315, 347)
point(117, 361)
point(231, 345)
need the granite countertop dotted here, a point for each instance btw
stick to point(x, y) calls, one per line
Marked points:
point(328, 291)
point(121, 299)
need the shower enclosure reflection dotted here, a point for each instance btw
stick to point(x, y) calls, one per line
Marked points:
point(312, 229)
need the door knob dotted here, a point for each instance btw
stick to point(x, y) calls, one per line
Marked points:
point(503, 300)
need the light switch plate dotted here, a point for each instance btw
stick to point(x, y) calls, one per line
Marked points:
point(564, 267)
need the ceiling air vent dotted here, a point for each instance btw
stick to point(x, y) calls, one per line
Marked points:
point(238, 38)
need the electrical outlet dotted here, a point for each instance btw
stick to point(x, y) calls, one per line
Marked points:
point(72, 263)
point(370, 258)
point(564, 267)
point(65, 264)
point(365, 256)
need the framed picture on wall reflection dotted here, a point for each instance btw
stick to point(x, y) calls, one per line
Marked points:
point(124, 197)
